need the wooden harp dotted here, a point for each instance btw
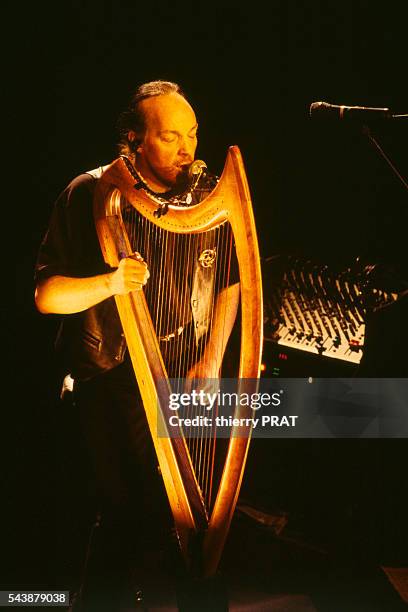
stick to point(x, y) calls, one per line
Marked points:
point(201, 525)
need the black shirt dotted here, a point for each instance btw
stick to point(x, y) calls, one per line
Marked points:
point(92, 341)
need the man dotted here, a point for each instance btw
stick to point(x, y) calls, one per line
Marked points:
point(159, 137)
point(160, 154)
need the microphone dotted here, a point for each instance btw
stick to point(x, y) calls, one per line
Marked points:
point(195, 172)
point(324, 110)
point(196, 168)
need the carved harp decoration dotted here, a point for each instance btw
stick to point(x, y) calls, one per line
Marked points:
point(185, 244)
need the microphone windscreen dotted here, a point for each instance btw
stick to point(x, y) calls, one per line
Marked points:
point(196, 168)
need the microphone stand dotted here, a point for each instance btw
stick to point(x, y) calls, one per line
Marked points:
point(374, 142)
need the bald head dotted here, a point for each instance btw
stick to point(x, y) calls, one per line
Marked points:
point(169, 140)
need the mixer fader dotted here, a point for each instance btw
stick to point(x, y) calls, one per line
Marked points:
point(313, 308)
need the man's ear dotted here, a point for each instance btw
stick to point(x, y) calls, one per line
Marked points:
point(135, 141)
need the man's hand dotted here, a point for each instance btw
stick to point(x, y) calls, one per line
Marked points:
point(203, 376)
point(204, 368)
point(66, 295)
point(131, 275)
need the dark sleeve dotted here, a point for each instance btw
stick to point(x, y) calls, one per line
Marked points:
point(70, 246)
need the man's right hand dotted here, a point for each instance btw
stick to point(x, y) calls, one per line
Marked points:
point(67, 295)
point(131, 275)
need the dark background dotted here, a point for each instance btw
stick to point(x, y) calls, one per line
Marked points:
point(320, 191)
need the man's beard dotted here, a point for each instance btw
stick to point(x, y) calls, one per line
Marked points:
point(180, 184)
point(183, 180)
point(175, 177)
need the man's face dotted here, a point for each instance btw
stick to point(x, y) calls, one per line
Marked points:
point(169, 142)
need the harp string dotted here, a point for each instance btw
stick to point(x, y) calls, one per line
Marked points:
point(211, 438)
point(172, 260)
point(193, 358)
point(200, 439)
point(210, 442)
point(203, 446)
point(224, 246)
point(176, 345)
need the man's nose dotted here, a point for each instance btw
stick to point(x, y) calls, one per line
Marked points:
point(186, 147)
